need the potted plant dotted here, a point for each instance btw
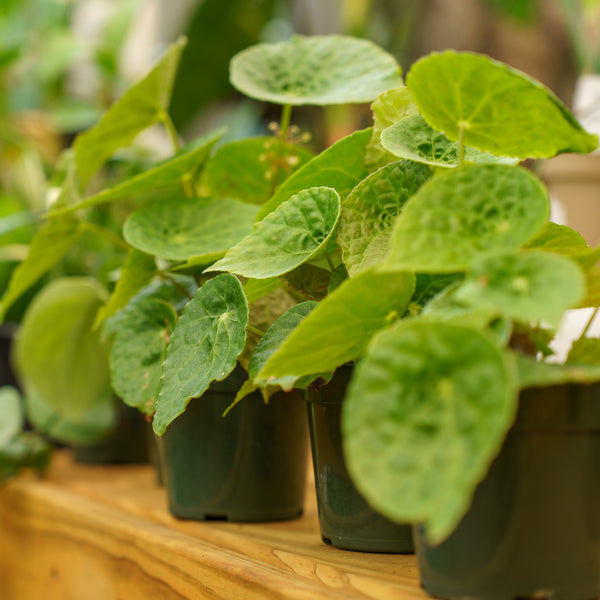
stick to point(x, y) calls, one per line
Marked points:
point(435, 393)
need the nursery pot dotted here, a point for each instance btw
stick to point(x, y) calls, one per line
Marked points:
point(247, 466)
point(533, 530)
point(345, 519)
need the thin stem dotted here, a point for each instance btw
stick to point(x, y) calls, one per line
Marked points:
point(461, 146)
point(107, 235)
point(286, 117)
point(589, 323)
point(170, 127)
point(188, 186)
point(255, 330)
point(329, 261)
point(172, 280)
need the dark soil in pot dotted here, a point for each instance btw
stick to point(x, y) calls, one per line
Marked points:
point(533, 530)
point(346, 520)
point(247, 466)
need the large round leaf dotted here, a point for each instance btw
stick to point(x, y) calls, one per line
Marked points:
point(290, 235)
point(426, 412)
point(57, 354)
point(498, 109)
point(319, 70)
point(371, 209)
point(204, 346)
point(527, 286)
point(462, 214)
point(179, 228)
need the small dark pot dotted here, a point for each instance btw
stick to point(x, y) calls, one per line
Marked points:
point(127, 444)
point(533, 529)
point(346, 520)
point(247, 466)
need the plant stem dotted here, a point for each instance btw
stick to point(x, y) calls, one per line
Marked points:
point(461, 146)
point(286, 117)
point(329, 261)
point(188, 186)
point(589, 323)
point(107, 235)
point(255, 330)
point(171, 279)
point(170, 127)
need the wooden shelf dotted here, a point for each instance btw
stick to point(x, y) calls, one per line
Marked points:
point(104, 533)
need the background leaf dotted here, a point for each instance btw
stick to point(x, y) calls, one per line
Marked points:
point(204, 346)
point(370, 211)
point(285, 238)
point(178, 228)
point(320, 70)
point(462, 213)
point(426, 412)
point(339, 329)
point(11, 414)
point(463, 90)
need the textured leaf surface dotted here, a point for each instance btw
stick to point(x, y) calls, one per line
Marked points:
point(308, 281)
point(11, 414)
point(138, 270)
point(179, 228)
point(49, 245)
point(527, 286)
point(500, 110)
point(318, 70)
point(57, 355)
point(138, 351)
point(285, 238)
point(204, 346)
point(339, 329)
point(462, 213)
point(389, 108)
point(414, 139)
point(140, 106)
point(250, 170)
point(425, 414)
point(370, 211)
point(165, 178)
point(340, 167)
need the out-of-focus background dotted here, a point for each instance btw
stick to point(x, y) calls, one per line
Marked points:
point(62, 62)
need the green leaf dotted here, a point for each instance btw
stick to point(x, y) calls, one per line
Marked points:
point(138, 270)
point(308, 281)
point(414, 139)
point(138, 351)
point(529, 285)
point(11, 414)
point(533, 373)
point(165, 178)
point(390, 107)
point(319, 70)
point(27, 450)
point(49, 245)
point(585, 351)
point(463, 213)
point(255, 289)
point(338, 276)
point(426, 412)
point(249, 170)
point(274, 337)
point(285, 238)
point(57, 355)
point(592, 297)
point(178, 228)
point(339, 329)
point(142, 105)
point(91, 426)
point(204, 346)
point(370, 211)
point(559, 239)
point(341, 167)
point(499, 110)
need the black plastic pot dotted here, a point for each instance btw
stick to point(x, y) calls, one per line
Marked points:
point(346, 520)
point(533, 530)
point(247, 466)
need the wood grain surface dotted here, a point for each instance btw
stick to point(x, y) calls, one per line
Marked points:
point(104, 533)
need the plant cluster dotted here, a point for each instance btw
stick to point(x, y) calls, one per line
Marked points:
point(417, 248)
